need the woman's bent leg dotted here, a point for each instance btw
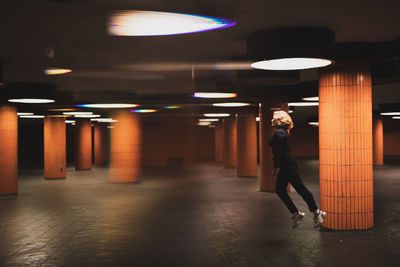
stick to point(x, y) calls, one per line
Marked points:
point(281, 185)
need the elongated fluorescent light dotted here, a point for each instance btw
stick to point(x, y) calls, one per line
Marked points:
point(69, 121)
point(24, 113)
point(291, 63)
point(209, 119)
point(56, 71)
point(103, 120)
point(290, 111)
point(313, 123)
point(396, 117)
point(303, 104)
point(214, 95)
point(108, 105)
point(31, 100)
point(216, 115)
point(78, 113)
point(152, 23)
point(314, 98)
point(390, 113)
point(203, 123)
point(32, 116)
point(87, 116)
point(237, 104)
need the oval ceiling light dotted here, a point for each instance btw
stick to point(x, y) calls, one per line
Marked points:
point(214, 95)
point(203, 123)
point(313, 98)
point(396, 117)
point(390, 113)
point(291, 48)
point(108, 105)
point(291, 64)
point(32, 116)
point(290, 111)
point(104, 120)
point(87, 116)
point(217, 115)
point(56, 71)
point(31, 100)
point(24, 113)
point(153, 23)
point(232, 104)
point(303, 104)
point(69, 121)
point(314, 123)
point(144, 110)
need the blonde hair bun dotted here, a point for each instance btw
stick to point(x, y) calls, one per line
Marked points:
point(281, 119)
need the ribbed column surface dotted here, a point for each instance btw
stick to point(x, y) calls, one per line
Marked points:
point(100, 144)
point(378, 141)
point(219, 142)
point(246, 126)
point(345, 143)
point(266, 110)
point(8, 150)
point(83, 144)
point(125, 148)
point(54, 147)
point(230, 150)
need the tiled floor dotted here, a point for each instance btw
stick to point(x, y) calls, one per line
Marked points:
point(203, 216)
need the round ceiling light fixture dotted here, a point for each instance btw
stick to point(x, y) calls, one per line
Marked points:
point(153, 23)
point(31, 93)
point(108, 105)
point(56, 71)
point(216, 115)
point(214, 95)
point(231, 104)
point(292, 48)
point(31, 100)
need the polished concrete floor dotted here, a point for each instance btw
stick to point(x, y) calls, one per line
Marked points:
point(201, 216)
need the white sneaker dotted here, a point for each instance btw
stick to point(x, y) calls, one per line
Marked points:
point(319, 219)
point(297, 217)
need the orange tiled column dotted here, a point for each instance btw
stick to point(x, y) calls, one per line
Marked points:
point(83, 144)
point(125, 148)
point(246, 144)
point(230, 153)
point(100, 144)
point(266, 110)
point(54, 148)
point(345, 143)
point(219, 142)
point(378, 141)
point(8, 150)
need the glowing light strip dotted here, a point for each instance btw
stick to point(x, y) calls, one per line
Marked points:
point(32, 116)
point(237, 104)
point(214, 95)
point(313, 123)
point(203, 123)
point(56, 71)
point(31, 100)
point(171, 107)
point(144, 110)
point(390, 113)
point(87, 116)
point(303, 104)
point(291, 63)
point(153, 23)
point(216, 115)
point(108, 105)
point(209, 120)
point(24, 113)
point(104, 120)
point(70, 121)
point(78, 113)
point(314, 98)
point(396, 117)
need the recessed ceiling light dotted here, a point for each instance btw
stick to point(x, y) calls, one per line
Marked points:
point(396, 117)
point(290, 111)
point(32, 116)
point(78, 113)
point(313, 123)
point(87, 116)
point(24, 113)
point(203, 123)
point(144, 110)
point(31, 100)
point(214, 95)
point(390, 113)
point(303, 104)
point(291, 63)
point(108, 105)
point(56, 71)
point(257, 118)
point(314, 98)
point(216, 115)
point(152, 23)
point(209, 119)
point(69, 121)
point(233, 104)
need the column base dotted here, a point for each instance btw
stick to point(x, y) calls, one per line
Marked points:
point(324, 229)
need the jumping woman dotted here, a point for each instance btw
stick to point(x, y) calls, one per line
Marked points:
point(285, 168)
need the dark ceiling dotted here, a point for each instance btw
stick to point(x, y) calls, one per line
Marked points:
point(41, 33)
